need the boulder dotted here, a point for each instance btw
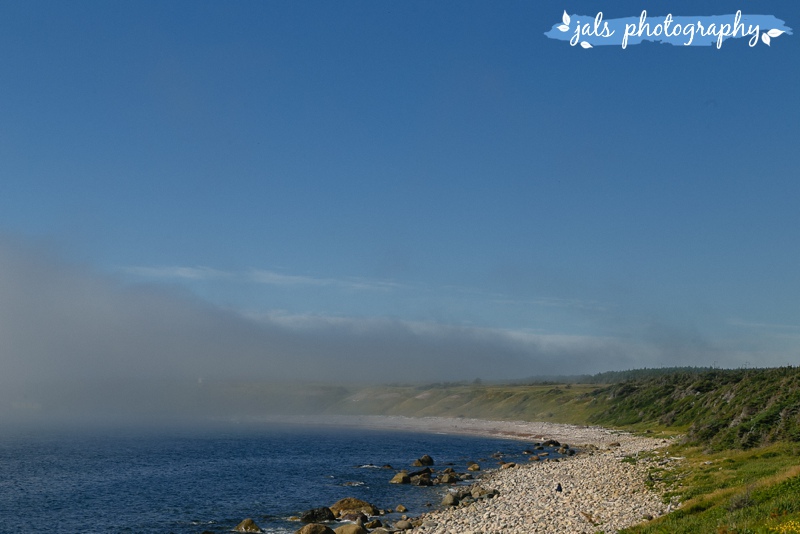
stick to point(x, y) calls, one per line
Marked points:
point(450, 500)
point(448, 478)
point(373, 524)
point(403, 525)
point(401, 478)
point(355, 517)
point(474, 467)
point(248, 525)
point(422, 480)
point(426, 471)
point(314, 528)
point(351, 504)
point(317, 515)
point(350, 529)
point(424, 460)
point(508, 465)
point(400, 509)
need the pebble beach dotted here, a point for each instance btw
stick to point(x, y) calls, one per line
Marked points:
point(599, 493)
point(602, 489)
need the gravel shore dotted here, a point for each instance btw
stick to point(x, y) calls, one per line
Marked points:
point(600, 491)
point(603, 489)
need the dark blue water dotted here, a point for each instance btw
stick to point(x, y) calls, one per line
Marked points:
point(188, 481)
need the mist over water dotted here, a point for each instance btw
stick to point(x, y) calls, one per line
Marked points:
point(76, 344)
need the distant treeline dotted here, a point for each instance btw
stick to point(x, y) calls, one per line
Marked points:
point(615, 377)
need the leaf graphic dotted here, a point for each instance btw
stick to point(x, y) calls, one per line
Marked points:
point(563, 28)
point(584, 44)
point(775, 33)
point(565, 18)
point(765, 38)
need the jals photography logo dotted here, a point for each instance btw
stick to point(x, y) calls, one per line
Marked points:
point(591, 31)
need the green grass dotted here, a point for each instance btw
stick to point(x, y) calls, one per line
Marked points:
point(742, 492)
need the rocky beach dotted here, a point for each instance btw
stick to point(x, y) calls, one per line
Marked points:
point(603, 488)
point(600, 490)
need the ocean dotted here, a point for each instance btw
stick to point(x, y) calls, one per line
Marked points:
point(190, 480)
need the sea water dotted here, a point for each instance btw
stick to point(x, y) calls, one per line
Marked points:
point(193, 480)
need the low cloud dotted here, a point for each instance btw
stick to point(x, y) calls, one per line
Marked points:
point(62, 324)
point(256, 276)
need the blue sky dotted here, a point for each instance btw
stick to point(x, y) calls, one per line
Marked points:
point(392, 183)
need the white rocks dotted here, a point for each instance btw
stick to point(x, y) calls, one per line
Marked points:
point(600, 492)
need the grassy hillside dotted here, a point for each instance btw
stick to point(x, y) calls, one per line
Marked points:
point(720, 409)
point(570, 403)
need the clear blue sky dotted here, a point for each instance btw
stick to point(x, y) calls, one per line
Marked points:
point(361, 181)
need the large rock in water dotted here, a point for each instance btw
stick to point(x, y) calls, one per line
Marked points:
point(315, 528)
point(401, 478)
point(316, 515)
point(351, 529)
point(425, 460)
point(248, 525)
point(351, 504)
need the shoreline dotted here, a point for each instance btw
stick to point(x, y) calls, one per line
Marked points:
point(574, 435)
point(602, 489)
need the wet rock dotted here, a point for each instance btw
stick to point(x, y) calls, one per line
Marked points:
point(248, 525)
point(317, 515)
point(350, 529)
point(403, 525)
point(448, 478)
point(422, 461)
point(422, 480)
point(315, 528)
point(351, 504)
point(356, 517)
point(426, 471)
point(450, 500)
point(373, 524)
point(401, 478)
point(400, 509)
